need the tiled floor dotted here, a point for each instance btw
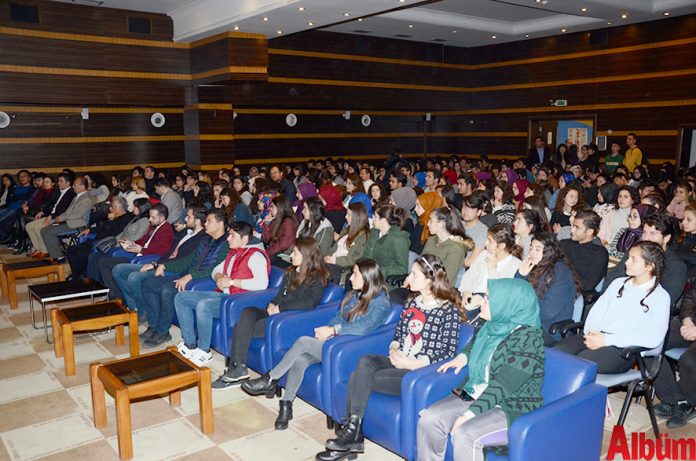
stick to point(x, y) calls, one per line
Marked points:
point(46, 415)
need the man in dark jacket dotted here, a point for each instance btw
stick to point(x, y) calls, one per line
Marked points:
point(158, 292)
point(285, 186)
point(538, 154)
point(47, 214)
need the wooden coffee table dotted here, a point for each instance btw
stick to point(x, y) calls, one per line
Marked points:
point(11, 272)
point(149, 375)
point(98, 316)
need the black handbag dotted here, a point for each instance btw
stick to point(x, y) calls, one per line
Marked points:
point(106, 244)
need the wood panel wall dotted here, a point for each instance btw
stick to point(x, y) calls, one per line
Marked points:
point(638, 78)
point(634, 78)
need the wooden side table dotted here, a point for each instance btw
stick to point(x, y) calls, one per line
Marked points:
point(11, 272)
point(66, 322)
point(149, 375)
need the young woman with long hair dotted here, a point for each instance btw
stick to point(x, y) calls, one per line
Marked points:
point(235, 209)
point(378, 195)
point(503, 203)
point(279, 227)
point(353, 187)
point(500, 259)
point(527, 223)
point(349, 245)
point(633, 312)
point(242, 190)
point(548, 270)
point(617, 218)
point(303, 287)
point(363, 310)
point(606, 199)
point(538, 204)
point(569, 197)
point(387, 243)
point(448, 240)
point(314, 224)
point(427, 332)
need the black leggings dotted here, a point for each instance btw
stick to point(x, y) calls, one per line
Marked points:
point(374, 373)
point(608, 358)
point(251, 324)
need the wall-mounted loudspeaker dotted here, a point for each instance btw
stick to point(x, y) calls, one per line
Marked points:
point(157, 120)
point(365, 120)
point(291, 120)
point(4, 120)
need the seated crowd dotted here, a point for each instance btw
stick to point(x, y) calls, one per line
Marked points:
point(512, 248)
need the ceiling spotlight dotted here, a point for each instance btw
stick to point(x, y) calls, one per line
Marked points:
point(666, 13)
point(526, 36)
point(493, 37)
point(346, 14)
point(265, 18)
point(310, 23)
point(359, 19)
point(609, 24)
point(410, 26)
point(454, 31)
point(624, 16)
point(538, 1)
point(402, 1)
point(300, 8)
point(279, 32)
point(584, 10)
point(563, 30)
point(236, 27)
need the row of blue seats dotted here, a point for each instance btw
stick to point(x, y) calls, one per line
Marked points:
point(569, 424)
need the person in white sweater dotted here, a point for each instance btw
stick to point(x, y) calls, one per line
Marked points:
point(632, 312)
point(499, 260)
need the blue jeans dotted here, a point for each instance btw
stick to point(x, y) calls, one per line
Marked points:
point(130, 280)
point(206, 304)
point(158, 301)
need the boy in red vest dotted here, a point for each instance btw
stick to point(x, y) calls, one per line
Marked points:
point(246, 268)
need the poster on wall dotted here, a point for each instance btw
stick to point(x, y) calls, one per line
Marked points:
point(578, 132)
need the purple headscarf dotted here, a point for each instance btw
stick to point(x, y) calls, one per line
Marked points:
point(307, 190)
point(631, 236)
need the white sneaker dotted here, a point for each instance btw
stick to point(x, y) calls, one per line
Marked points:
point(201, 358)
point(185, 351)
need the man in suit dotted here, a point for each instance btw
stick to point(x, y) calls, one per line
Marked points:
point(538, 154)
point(76, 216)
point(44, 217)
point(170, 199)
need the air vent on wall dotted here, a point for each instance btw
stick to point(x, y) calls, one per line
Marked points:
point(361, 31)
point(24, 13)
point(139, 25)
point(402, 36)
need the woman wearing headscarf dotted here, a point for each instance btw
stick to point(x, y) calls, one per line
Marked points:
point(304, 191)
point(365, 200)
point(519, 188)
point(628, 236)
point(506, 374)
point(264, 203)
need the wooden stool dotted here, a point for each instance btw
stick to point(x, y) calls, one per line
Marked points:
point(66, 322)
point(11, 272)
point(149, 375)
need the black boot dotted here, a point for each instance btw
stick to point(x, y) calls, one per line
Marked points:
point(349, 438)
point(330, 455)
point(284, 415)
point(263, 385)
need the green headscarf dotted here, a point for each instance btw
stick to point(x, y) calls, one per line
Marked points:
point(512, 302)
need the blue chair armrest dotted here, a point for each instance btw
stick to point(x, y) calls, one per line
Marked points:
point(346, 354)
point(546, 429)
point(282, 330)
point(119, 252)
point(86, 238)
point(232, 305)
point(420, 389)
point(206, 284)
point(146, 259)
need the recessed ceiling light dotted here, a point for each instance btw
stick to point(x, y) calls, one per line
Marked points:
point(265, 18)
point(359, 19)
point(493, 37)
point(410, 26)
point(300, 8)
point(402, 1)
point(279, 32)
point(666, 13)
point(346, 14)
point(624, 16)
point(454, 31)
point(310, 23)
point(563, 30)
point(583, 10)
point(538, 1)
point(526, 36)
point(609, 24)
point(236, 27)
